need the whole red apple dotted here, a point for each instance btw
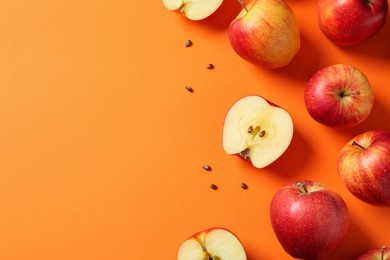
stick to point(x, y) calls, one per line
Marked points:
point(382, 253)
point(309, 220)
point(266, 33)
point(364, 167)
point(339, 96)
point(350, 22)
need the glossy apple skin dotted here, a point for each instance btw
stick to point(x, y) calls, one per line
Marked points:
point(308, 225)
point(339, 96)
point(366, 172)
point(375, 254)
point(267, 35)
point(350, 22)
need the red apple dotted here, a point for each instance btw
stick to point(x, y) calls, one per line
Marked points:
point(309, 220)
point(350, 22)
point(364, 167)
point(339, 96)
point(266, 33)
point(212, 244)
point(382, 253)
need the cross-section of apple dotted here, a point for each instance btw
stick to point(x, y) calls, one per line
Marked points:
point(212, 244)
point(258, 130)
point(193, 9)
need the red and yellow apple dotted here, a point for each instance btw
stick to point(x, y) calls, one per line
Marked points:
point(339, 96)
point(212, 244)
point(364, 167)
point(193, 9)
point(350, 22)
point(258, 130)
point(266, 33)
point(309, 220)
point(382, 253)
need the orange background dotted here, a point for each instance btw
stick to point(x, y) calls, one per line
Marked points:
point(102, 148)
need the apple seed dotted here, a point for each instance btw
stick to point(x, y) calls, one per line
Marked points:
point(214, 187)
point(262, 133)
point(210, 66)
point(188, 43)
point(189, 89)
point(250, 129)
point(207, 167)
point(244, 186)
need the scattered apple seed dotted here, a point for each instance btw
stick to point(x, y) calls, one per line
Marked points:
point(188, 43)
point(210, 66)
point(244, 186)
point(262, 133)
point(189, 89)
point(207, 167)
point(214, 187)
point(250, 129)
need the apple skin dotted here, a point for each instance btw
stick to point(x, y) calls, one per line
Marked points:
point(309, 220)
point(350, 22)
point(267, 34)
point(376, 254)
point(339, 96)
point(364, 167)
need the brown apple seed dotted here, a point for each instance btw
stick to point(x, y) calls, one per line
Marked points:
point(244, 186)
point(210, 66)
point(188, 43)
point(189, 89)
point(207, 167)
point(214, 187)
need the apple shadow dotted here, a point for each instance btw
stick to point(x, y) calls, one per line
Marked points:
point(305, 63)
point(294, 158)
point(225, 14)
point(351, 247)
point(378, 119)
point(377, 46)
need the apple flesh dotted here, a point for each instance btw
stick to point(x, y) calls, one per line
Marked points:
point(382, 253)
point(350, 22)
point(193, 9)
point(257, 130)
point(364, 167)
point(339, 96)
point(212, 244)
point(266, 33)
point(309, 220)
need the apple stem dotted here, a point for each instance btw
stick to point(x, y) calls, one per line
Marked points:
point(358, 145)
point(243, 5)
point(343, 94)
point(302, 186)
point(383, 253)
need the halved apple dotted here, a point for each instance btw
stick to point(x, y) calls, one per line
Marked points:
point(212, 244)
point(193, 9)
point(258, 130)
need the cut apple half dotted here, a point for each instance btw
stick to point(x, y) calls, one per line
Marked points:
point(212, 244)
point(258, 130)
point(193, 9)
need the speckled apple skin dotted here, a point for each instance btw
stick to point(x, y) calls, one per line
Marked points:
point(350, 22)
point(308, 225)
point(366, 172)
point(324, 104)
point(267, 34)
